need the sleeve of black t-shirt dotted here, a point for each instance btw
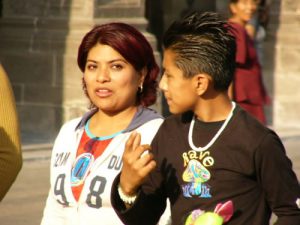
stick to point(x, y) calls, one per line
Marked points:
point(278, 180)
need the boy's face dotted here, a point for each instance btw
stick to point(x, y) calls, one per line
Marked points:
point(180, 92)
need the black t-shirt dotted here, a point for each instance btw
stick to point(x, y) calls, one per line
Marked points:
point(247, 164)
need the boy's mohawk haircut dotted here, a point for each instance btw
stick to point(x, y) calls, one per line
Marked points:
point(197, 23)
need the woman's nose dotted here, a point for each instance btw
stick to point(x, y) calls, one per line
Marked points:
point(103, 75)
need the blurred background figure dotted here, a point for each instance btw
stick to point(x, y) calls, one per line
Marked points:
point(257, 26)
point(10, 146)
point(247, 89)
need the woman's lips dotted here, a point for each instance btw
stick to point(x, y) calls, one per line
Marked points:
point(103, 92)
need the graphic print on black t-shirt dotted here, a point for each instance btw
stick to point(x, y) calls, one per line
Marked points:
point(196, 174)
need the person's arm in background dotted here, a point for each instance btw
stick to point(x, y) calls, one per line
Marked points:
point(252, 26)
point(10, 146)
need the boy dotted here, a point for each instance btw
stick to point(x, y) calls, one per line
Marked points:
point(239, 161)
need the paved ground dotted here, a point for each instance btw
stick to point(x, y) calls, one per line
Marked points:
point(25, 201)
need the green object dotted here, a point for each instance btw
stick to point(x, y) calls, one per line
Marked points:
point(189, 220)
point(209, 218)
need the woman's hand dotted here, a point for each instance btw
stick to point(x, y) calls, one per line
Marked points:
point(138, 162)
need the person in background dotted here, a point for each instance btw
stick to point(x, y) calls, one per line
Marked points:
point(10, 144)
point(215, 162)
point(256, 28)
point(247, 89)
point(120, 80)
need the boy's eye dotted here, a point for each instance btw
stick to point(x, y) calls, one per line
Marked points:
point(167, 75)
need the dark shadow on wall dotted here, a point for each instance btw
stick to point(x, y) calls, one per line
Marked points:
point(161, 14)
point(154, 13)
point(202, 6)
point(1, 6)
point(269, 55)
point(32, 42)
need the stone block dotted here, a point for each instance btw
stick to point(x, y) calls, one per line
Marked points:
point(290, 6)
point(288, 59)
point(74, 96)
point(68, 72)
point(10, 27)
point(71, 112)
point(71, 48)
point(118, 12)
point(29, 68)
point(18, 90)
point(39, 123)
point(286, 113)
point(43, 94)
point(42, 8)
point(287, 84)
point(138, 22)
point(19, 8)
point(119, 8)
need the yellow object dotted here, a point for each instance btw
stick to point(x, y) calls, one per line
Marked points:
point(209, 218)
point(10, 146)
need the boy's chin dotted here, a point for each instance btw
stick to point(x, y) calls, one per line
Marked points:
point(175, 111)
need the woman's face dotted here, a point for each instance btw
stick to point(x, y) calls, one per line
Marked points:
point(244, 9)
point(112, 83)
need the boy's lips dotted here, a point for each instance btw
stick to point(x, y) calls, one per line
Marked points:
point(169, 100)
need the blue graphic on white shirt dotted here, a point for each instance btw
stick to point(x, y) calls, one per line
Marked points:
point(81, 168)
point(196, 175)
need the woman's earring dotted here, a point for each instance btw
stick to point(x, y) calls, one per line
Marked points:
point(141, 88)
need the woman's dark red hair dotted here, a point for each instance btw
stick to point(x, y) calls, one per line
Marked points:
point(133, 46)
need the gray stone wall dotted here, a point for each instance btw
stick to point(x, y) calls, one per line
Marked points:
point(39, 41)
point(282, 55)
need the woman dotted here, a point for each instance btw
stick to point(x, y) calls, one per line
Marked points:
point(119, 79)
point(248, 88)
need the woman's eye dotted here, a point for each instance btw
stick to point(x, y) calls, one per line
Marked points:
point(117, 67)
point(91, 67)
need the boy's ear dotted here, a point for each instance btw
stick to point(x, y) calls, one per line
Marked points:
point(202, 82)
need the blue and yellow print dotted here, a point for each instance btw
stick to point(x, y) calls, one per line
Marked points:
point(196, 174)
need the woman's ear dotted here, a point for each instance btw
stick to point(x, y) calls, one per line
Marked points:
point(202, 82)
point(143, 74)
